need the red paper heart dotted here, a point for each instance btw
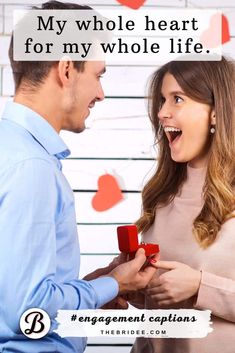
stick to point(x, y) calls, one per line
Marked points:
point(208, 37)
point(225, 30)
point(108, 194)
point(133, 4)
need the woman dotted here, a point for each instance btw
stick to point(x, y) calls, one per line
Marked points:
point(188, 204)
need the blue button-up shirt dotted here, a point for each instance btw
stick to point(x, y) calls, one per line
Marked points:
point(39, 250)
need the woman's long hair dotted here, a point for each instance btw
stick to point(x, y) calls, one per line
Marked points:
point(212, 83)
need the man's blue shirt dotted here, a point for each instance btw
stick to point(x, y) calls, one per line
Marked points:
point(39, 248)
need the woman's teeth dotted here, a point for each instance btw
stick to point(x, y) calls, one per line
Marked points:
point(171, 129)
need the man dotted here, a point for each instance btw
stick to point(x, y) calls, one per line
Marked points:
point(38, 243)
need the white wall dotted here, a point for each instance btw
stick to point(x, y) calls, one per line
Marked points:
point(119, 141)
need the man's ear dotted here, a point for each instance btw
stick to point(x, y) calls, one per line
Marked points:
point(65, 70)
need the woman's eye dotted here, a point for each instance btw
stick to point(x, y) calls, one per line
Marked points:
point(178, 99)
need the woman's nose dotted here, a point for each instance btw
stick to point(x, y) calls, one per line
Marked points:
point(164, 112)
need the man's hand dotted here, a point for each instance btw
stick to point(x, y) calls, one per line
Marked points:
point(97, 273)
point(117, 303)
point(104, 271)
point(129, 275)
point(178, 283)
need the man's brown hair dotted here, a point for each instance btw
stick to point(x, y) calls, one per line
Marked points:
point(33, 73)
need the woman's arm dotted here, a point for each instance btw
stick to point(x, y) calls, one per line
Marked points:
point(218, 295)
point(181, 282)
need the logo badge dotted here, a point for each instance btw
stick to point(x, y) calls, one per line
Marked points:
point(35, 323)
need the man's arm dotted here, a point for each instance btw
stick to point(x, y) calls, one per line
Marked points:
point(29, 205)
point(28, 245)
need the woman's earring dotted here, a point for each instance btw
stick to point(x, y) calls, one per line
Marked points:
point(212, 129)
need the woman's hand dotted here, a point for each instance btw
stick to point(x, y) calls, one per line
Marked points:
point(178, 283)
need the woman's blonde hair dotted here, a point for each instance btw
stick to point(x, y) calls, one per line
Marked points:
point(212, 83)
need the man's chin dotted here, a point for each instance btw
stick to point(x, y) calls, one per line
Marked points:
point(79, 129)
point(75, 129)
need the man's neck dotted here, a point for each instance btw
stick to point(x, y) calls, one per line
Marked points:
point(40, 103)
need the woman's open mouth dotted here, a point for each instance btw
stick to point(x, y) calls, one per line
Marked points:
point(173, 133)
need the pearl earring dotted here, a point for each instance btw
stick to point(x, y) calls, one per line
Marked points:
point(212, 130)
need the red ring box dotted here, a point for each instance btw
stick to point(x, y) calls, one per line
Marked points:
point(129, 244)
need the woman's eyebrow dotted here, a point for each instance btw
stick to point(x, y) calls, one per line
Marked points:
point(175, 93)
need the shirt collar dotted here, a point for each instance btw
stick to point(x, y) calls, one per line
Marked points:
point(38, 127)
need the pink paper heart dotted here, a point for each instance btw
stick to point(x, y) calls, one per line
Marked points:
point(208, 37)
point(133, 4)
point(108, 194)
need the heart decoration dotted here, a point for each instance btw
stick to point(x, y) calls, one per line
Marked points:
point(108, 194)
point(133, 4)
point(225, 30)
point(208, 38)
